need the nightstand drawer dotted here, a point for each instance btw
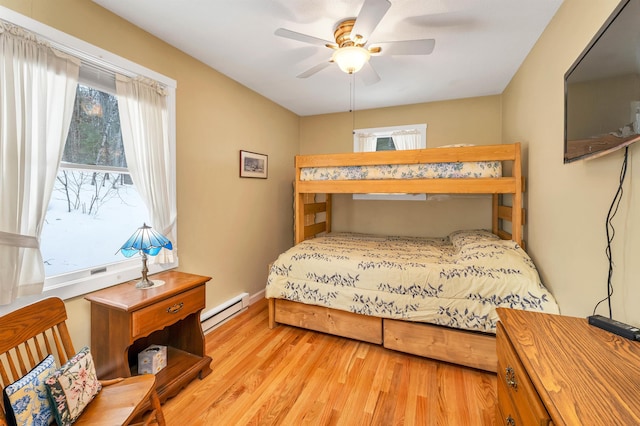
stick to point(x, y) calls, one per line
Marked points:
point(166, 312)
point(514, 384)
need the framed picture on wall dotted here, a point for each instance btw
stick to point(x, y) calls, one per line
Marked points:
point(253, 165)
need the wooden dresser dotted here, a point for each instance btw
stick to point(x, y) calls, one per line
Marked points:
point(125, 320)
point(559, 370)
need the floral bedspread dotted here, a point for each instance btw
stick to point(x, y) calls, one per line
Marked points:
point(480, 169)
point(456, 281)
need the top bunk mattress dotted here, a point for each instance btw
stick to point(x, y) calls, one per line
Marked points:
point(478, 169)
point(456, 281)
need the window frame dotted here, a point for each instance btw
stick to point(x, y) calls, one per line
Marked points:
point(87, 280)
point(381, 132)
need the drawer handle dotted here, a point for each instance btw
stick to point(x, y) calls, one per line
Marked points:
point(509, 421)
point(510, 378)
point(175, 308)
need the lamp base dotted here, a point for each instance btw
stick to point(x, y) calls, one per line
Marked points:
point(144, 284)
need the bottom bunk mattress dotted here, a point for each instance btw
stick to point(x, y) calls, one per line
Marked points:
point(455, 281)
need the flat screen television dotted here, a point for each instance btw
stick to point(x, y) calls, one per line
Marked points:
point(602, 88)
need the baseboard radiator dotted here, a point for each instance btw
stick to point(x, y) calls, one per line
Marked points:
point(216, 316)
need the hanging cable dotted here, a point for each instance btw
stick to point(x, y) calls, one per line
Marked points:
point(611, 232)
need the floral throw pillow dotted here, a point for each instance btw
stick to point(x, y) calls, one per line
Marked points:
point(72, 387)
point(26, 401)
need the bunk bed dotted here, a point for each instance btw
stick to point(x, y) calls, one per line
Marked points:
point(399, 323)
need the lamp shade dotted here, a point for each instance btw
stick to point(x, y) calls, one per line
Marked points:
point(147, 241)
point(351, 59)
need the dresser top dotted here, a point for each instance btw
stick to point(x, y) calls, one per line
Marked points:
point(127, 297)
point(584, 375)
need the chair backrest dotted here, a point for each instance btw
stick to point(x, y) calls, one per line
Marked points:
point(28, 335)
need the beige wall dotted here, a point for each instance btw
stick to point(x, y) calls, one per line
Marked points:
point(229, 228)
point(472, 121)
point(568, 204)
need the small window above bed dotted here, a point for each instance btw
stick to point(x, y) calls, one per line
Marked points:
point(391, 138)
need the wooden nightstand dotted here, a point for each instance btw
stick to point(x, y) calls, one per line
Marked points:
point(125, 320)
point(559, 370)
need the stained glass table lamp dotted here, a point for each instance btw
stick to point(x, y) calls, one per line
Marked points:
point(147, 242)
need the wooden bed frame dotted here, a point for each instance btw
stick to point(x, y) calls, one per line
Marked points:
point(467, 348)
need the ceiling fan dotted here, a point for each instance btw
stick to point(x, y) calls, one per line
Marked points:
point(352, 49)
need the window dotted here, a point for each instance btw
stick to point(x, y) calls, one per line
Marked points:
point(94, 206)
point(390, 139)
point(385, 144)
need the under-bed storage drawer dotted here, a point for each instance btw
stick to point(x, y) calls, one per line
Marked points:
point(475, 350)
point(331, 321)
point(517, 397)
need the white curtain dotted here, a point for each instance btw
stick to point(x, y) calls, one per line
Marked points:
point(145, 134)
point(407, 139)
point(367, 142)
point(37, 93)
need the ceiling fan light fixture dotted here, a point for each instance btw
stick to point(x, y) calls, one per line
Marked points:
point(351, 59)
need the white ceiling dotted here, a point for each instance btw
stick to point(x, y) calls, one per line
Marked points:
point(479, 46)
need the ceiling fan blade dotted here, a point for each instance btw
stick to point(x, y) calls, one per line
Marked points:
point(311, 71)
point(283, 32)
point(369, 17)
point(407, 47)
point(369, 75)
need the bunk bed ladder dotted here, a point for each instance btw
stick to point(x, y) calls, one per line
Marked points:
point(307, 226)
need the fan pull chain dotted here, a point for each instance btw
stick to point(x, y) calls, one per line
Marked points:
point(352, 102)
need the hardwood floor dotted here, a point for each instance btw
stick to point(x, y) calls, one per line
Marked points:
point(290, 376)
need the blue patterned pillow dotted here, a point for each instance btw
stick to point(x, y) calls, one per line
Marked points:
point(72, 387)
point(26, 401)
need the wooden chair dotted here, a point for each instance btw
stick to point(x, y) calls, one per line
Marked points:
point(29, 334)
